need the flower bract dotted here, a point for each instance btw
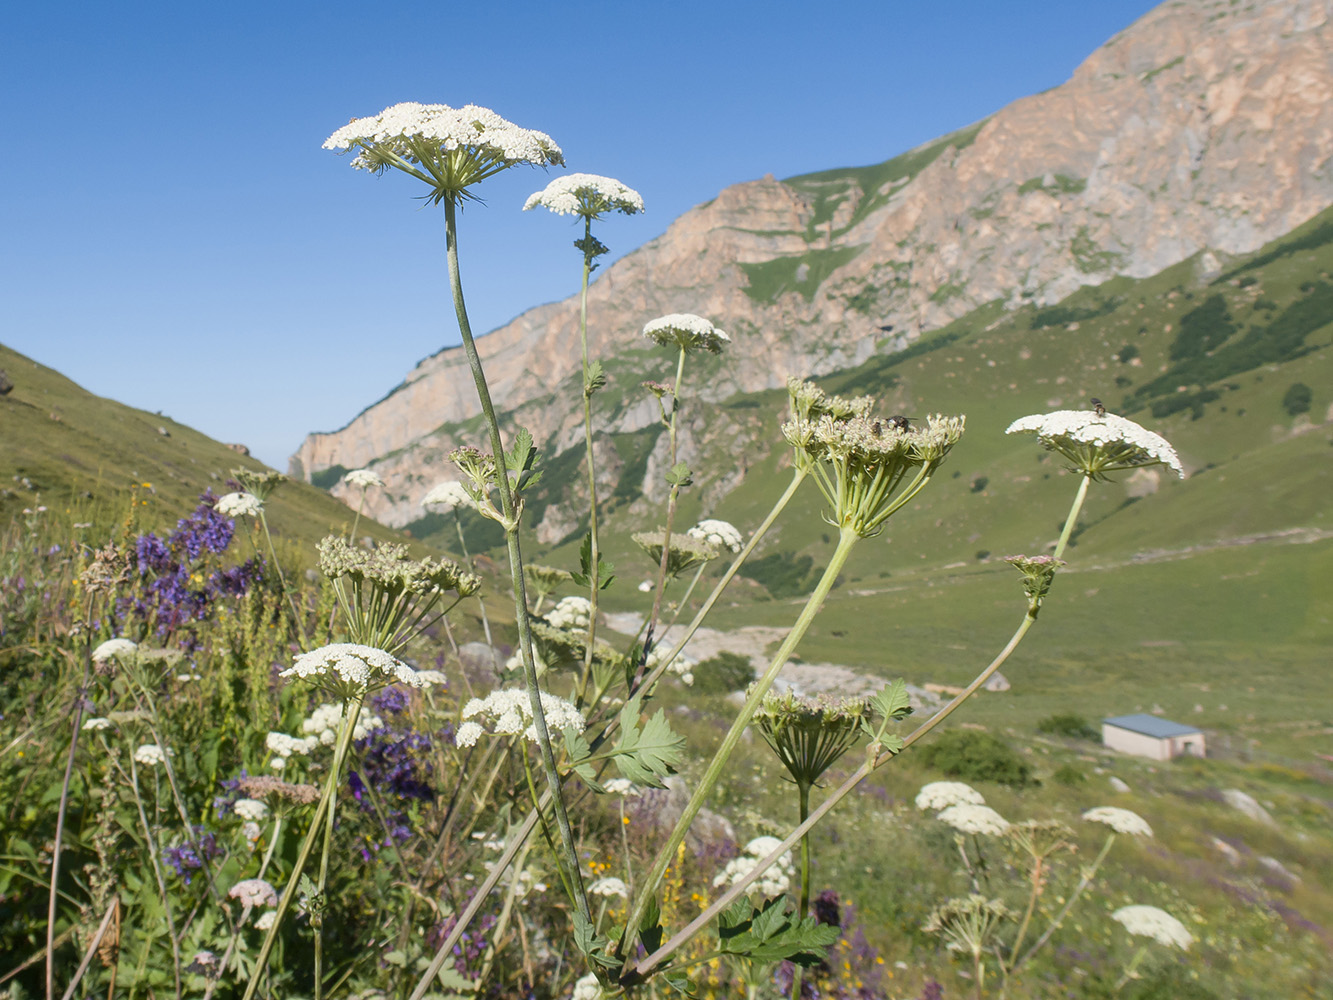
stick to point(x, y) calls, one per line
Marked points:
point(1098, 444)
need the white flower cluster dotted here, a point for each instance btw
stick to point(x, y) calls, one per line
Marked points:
point(509, 711)
point(326, 720)
point(682, 666)
point(570, 613)
point(357, 666)
point(450, 493)
point(1130, 444)
point(587, 988)
point(150, 755)
point(363, 478)
point(254, 892)
point(238, 505)
point(95, 724)
point(686, 331)
point(428, 677)
point(111, 648)
point(266, 920)
point(622, 787)
point(1119, 820)
point(284, 746)
point(720, 533)
point(588, 195)
point(410, 129)
point(1149, 921)
point(776, 880)
point(943, 794)
point(609, 886)
point(514, 665)
point(251, 809)
point(968, 817)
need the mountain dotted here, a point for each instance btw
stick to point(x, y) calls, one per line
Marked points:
point(1202, 131)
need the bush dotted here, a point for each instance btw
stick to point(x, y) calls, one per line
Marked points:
point(1070, 725)
point(1297, 399)
point(723, 673)
point(975, 756)
point(1068, 774)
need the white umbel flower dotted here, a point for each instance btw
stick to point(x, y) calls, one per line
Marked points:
point(609, 886)
point(775, 880)
point(587, 988)
point(113, 647)
point(251, 809)
point(150, 755)
point(509, 712)
point(451, 493)
point(686, 331)
point(95, 724)
point(363, 478)
point(1098, 444)
point(970, 818)
point(943, 794)
point(586, 195)
point(570, 613)
point(723, 534)
point(1149, 921)
point(238, 505)
point(457, 146)
point(358, 667)
point(1119, 820)
point(254, 892)
point(266, 920)
point(284, 745)
point(622, 787)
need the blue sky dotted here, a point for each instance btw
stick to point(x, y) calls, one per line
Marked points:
point(175, 238)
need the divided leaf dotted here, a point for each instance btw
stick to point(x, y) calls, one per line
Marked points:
point(646, 756)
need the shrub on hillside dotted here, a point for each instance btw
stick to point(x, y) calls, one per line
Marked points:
point(1070, 725)
point(975, 756)
point(1297, 399)
point(723, 673)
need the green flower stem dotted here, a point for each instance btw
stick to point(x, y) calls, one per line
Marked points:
point(594, 550)
point(846, 540)
point(568, 857)
point(282, 580)
point(1088, 875)
point(804, 790)
point(357, 520)
point(1035, 878)
point(330, 814)
point(1131, 968)
point(684, 599)
point(514, 844)
point(289, 893)
point(671, 509)
point(151, 841)
point(481, 602)
point(1072, 519)
point(649, 965)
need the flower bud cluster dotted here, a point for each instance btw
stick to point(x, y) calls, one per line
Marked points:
point(1038, 574)
point(809, 735)
point(259, 484)
point(389, 569)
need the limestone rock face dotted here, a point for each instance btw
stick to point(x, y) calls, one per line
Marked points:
point(1205, 127)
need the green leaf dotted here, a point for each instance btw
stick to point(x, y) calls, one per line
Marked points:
point(579, 752)
point(680, 982)
point(893, 702)
point(650, 927)
point(647, 755)
point(679, 475)
point(604, 568)
point(520, 459)
point(595, 379)
point(772, 933)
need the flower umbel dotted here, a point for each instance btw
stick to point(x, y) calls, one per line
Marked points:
point(1098, 444)
point(723, 534)
point(348, 669)
point(1119, 820)
point(809, 735)
point(686, 551)
point(968, 923)
point(943, 794)
point(449, 149)
point(509, 712)
point(969, 818)
point(686, 331)
point(364, 478)
point(1149, 921)
point(588, 195)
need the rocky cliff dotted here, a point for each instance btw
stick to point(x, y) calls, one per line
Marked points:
point(1205, 126)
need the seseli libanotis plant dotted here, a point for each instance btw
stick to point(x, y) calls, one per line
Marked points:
point(866, 466)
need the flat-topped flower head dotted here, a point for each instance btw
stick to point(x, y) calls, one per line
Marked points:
point(686, 331)
point(253, 892)
point(809, 735)
point(239, 505)
point(570, 613)
point(96, 724)
point(775, 880)
point(968, 923)
point(150, 755)
point(588, 195)
point(943, 794)
point(686, 551)
point(113, 649)
point(508, 712)
point(363, 478)
point(723, 534)
point(251, 809)
point(1149, 921)
point(348, 669)
point(448, 148)
point(1119, 820)
point(970, 818)
point(609, 886)
point(450, 493)
point(260, 484)
point(1098, 443)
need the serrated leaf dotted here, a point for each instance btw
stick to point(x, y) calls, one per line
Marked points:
point(595, 379)
point(773, 934)
point(680, 982)
point(579, 750)
point(892, 702)
point(650, 927)
point(679, 475)
point(583, 578)
point(646, 756)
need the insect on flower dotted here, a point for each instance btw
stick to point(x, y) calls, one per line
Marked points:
point(1097, 406)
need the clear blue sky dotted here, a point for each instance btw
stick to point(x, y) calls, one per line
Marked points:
point(175, 238)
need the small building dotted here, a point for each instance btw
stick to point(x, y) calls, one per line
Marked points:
point(1151, 736)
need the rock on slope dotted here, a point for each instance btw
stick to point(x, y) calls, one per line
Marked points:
point(1206, 125)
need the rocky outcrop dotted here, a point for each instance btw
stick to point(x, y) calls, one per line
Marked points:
point(1205, 126)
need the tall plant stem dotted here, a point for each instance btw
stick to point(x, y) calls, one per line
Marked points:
point(671, 507)
point(323, 809)
point(150, 839)
point(1088, 875)
point(846, 540)
point(481, 602)
point(567, 858)
point(297, 620)
point(594, 549)
point(60, 818)
point(637, 972)
point(330, 813)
